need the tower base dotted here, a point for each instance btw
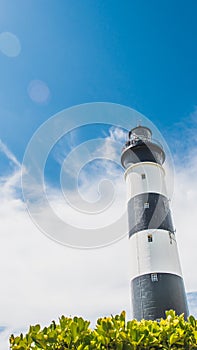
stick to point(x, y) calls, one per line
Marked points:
point(154, 293)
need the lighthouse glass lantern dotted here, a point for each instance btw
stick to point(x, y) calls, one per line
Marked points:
point(156, 278)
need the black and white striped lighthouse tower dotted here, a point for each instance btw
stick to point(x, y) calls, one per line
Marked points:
point(156, 279)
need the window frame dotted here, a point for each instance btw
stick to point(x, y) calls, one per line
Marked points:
point(146, 205)
point(154, 277)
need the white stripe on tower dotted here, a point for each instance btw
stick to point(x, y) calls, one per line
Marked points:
point(154, 251)
point(156, 278)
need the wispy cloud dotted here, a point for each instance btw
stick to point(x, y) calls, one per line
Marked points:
point(9, 154)
point(10, 184)
point(182, 138)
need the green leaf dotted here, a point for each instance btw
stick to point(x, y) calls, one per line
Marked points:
point(173, 339)
point(192, 321)
point(73, 329)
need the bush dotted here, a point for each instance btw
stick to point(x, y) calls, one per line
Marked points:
point(111, 333)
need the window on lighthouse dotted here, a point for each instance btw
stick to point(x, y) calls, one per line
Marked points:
point(154, 277)
point(143, 176)
point(150, 238)
point(146, 205)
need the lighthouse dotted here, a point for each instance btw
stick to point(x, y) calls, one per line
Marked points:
point(156, 278)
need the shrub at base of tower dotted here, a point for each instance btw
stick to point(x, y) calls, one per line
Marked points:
point(111, 333)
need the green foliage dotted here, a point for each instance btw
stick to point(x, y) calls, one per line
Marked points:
point(113, 332)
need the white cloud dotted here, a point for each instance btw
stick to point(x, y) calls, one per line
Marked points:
point(111, 145)
point(185, 209)
point(9, 154)
point(192, 302)
point(184, 203)
point(41, 280)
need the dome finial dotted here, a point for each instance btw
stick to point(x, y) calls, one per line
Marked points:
point(139, 122)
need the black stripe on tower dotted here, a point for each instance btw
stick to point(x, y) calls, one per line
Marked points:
point(149, 211)
point(141, 151)
point(154, 293)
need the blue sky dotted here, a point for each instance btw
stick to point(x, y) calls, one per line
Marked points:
point(141, 54)
point(58, 54)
